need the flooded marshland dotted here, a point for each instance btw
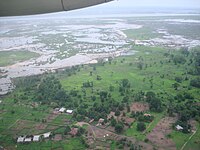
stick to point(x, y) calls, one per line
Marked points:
point(64, 42)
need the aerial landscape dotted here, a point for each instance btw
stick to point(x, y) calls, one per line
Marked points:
point(128, 81)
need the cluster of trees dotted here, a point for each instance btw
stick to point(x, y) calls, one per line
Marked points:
point(155, 103)
point(141, 126)
point(195, 82)
point(124, 86)
point(88, 84)
point(195, 58)
point(143, 118)
point(50, 89)
point(125, 142)
point(28, 83)
point(178, 59)
point(72, 70)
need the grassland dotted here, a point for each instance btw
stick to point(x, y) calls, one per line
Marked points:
point(132, 131)
point(144, 33)
point(126, 67)
point(190, 139)
point(12, 57)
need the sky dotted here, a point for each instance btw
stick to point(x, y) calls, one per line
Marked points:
point(157, 3)
point(137, 7)
point(140, 6)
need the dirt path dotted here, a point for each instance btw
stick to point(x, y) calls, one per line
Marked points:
point(188, 140)
point(85, 123)
point(100, 133)
point(14, 123)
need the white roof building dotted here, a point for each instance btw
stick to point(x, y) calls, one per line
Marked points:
point(28, 139)
point(69, 111)
point(47, 135)
point(20, 139)
point(36, 138)
point(62, 110)
point(178, 127)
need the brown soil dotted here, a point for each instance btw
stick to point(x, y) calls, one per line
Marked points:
point(158, 136)
point(52, 116)
point(41, 126)
point(96, 135)
point(57, 137)
point(139, 107)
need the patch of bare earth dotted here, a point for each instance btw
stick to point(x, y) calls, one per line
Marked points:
point(51, 117)
point(58, 137)
point(158, 135)
point(97, 138)
point(139, 107)
point(51, 127)
point(40, 126)
point(21, 125)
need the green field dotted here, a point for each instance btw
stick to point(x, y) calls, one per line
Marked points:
point(180, 139)
point(132, 131)
point(12, 57)
point(145, 33)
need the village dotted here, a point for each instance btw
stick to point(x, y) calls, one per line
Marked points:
point(99, 131)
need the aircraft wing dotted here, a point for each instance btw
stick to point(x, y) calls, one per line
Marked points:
point(30, 7)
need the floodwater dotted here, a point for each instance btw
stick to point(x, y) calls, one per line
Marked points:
point(93, 42)
point(66, 42)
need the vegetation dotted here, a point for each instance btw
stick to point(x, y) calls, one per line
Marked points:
point(11, 57)
point(165, 84)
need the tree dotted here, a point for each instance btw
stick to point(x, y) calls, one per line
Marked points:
point(117, 113)
point(67, 129)
point(60, 95)
point(119, 127)
point(125, 83)
point(99, 77)
point(155, 103)
point(176, 85)
point(179, 59)
point(113, 122)
point(150, 96)
point(195, 82)
point(111, 88)
point(141, 126)
point(140, 65)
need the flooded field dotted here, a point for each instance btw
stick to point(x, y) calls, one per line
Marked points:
point(65, 42)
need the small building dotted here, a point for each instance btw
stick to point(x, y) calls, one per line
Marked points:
point(62, 110)
point(36, 138)
point(69, 111)
point(112, 114)
point(101, 121)
point(74, 131)
point(29, 139)
point(56, 109)
point(178, 127)
point(147, 115)
point(20, 139)
point(47, 135)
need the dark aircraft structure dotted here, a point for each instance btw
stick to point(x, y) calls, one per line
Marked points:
point(31, 7)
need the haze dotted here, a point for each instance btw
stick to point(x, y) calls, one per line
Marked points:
point(158, 3)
